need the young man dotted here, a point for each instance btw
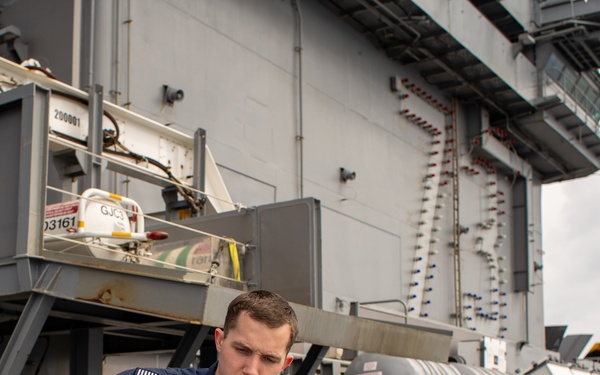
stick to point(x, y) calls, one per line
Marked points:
point(260, 328)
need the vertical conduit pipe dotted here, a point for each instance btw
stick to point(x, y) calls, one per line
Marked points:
point(127, 103)
point(91, 77)
point(455, 216)
point(300, 136)
point(114, 92)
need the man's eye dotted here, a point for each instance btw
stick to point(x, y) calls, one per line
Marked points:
point(243, 350)
point(270, 360)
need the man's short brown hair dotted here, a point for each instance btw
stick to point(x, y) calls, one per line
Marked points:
point(265, 307)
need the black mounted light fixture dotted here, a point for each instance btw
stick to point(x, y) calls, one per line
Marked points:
point(172, 95)
point(346, 174)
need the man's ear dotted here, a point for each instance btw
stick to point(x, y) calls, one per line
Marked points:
point(288, 361)
point(219, 336)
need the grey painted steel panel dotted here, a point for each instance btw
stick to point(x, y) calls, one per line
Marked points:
point(353, 254)
point(35, 19)
point(25, 142)
point(290, 260)
point(554, 336)
point(572, 346)
point(523, 264)
point(335, 330)
point(129, 291)
point(11, 136)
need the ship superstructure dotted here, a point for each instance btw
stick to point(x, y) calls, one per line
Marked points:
point(378, 163)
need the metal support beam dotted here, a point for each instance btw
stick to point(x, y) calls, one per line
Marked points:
point(189, 345)
point(349, 354)
point(332, 368)
point(87, 351)
point(93, 165)
point(313, 359)
point(25, 334)
point(200, 168)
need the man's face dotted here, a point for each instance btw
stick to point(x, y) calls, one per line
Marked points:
point(252, 348)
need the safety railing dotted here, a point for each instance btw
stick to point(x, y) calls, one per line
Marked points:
point(569, 92)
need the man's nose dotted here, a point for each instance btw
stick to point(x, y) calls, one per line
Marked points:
point(251, 365)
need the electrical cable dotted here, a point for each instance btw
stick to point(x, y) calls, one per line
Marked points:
point(185, 192)
point(40, 69)
point(238, 206)
point(107, 140)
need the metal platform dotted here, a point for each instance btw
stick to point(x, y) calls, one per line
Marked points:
point(105, 306)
